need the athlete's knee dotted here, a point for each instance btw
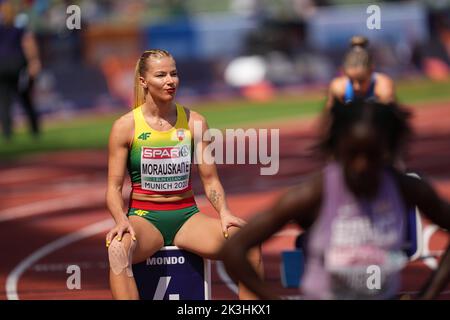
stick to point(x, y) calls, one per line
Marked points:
point(216, 243)
point(120, 254)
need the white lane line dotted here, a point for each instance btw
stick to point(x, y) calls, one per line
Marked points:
point(225, 277)
point(58, 267)
point(13, 278)
point(51, 205)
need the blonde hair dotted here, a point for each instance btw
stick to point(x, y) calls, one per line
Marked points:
point(358, 55)
point(141, 69)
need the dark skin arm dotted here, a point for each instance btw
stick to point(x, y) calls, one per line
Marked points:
point(300, 203)
point(420, 193)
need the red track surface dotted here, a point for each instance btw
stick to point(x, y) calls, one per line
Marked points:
point(47, 197)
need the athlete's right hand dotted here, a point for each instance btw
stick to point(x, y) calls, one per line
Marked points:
point(119, 230)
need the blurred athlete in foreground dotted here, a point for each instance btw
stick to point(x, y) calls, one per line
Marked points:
point(354, 211)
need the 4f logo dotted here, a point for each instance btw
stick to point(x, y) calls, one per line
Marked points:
point(144, 136)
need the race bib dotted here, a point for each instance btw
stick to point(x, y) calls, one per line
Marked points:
point(361, 258)
point(351, 268)
point(165, 168)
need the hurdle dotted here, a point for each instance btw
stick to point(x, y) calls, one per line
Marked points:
point(414, 231)
point(292, 268)
point(173, 274)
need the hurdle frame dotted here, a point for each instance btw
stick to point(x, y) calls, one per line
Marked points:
point(419, 228)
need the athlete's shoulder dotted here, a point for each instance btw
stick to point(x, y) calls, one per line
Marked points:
point(125, 119)
point(337, 85)
point(384, 88)
point(382, 76)
point(338, 81)
point(384, 79)
point(124, 124)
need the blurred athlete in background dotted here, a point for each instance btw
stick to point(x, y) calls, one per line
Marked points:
point(19, 67)
point(360, 81)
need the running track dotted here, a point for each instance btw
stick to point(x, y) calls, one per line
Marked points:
point(52, 211)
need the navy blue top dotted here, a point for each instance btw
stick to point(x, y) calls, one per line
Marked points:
point(350, 94)
point(11, 42)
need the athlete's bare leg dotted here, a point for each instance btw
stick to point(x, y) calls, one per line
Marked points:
point(149, 241)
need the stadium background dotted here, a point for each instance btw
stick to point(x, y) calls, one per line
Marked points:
point(52, 211)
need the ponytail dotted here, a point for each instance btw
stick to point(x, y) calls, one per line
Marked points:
point(139, 91)
point(358, 54)
point(359, 41)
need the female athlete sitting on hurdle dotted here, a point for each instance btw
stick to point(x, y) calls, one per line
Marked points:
point(354, 211)
point(156, 142)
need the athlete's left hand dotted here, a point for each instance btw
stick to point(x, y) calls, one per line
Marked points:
point(228, 220)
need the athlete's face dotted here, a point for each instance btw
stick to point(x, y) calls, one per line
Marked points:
point(7, 13)
point(161, 79)
point(361, 152)
point(360, 78)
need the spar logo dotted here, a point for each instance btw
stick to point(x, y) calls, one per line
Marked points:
point(165, 260)
point(165, 152)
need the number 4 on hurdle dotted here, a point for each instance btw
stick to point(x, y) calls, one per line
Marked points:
point(173, 274)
